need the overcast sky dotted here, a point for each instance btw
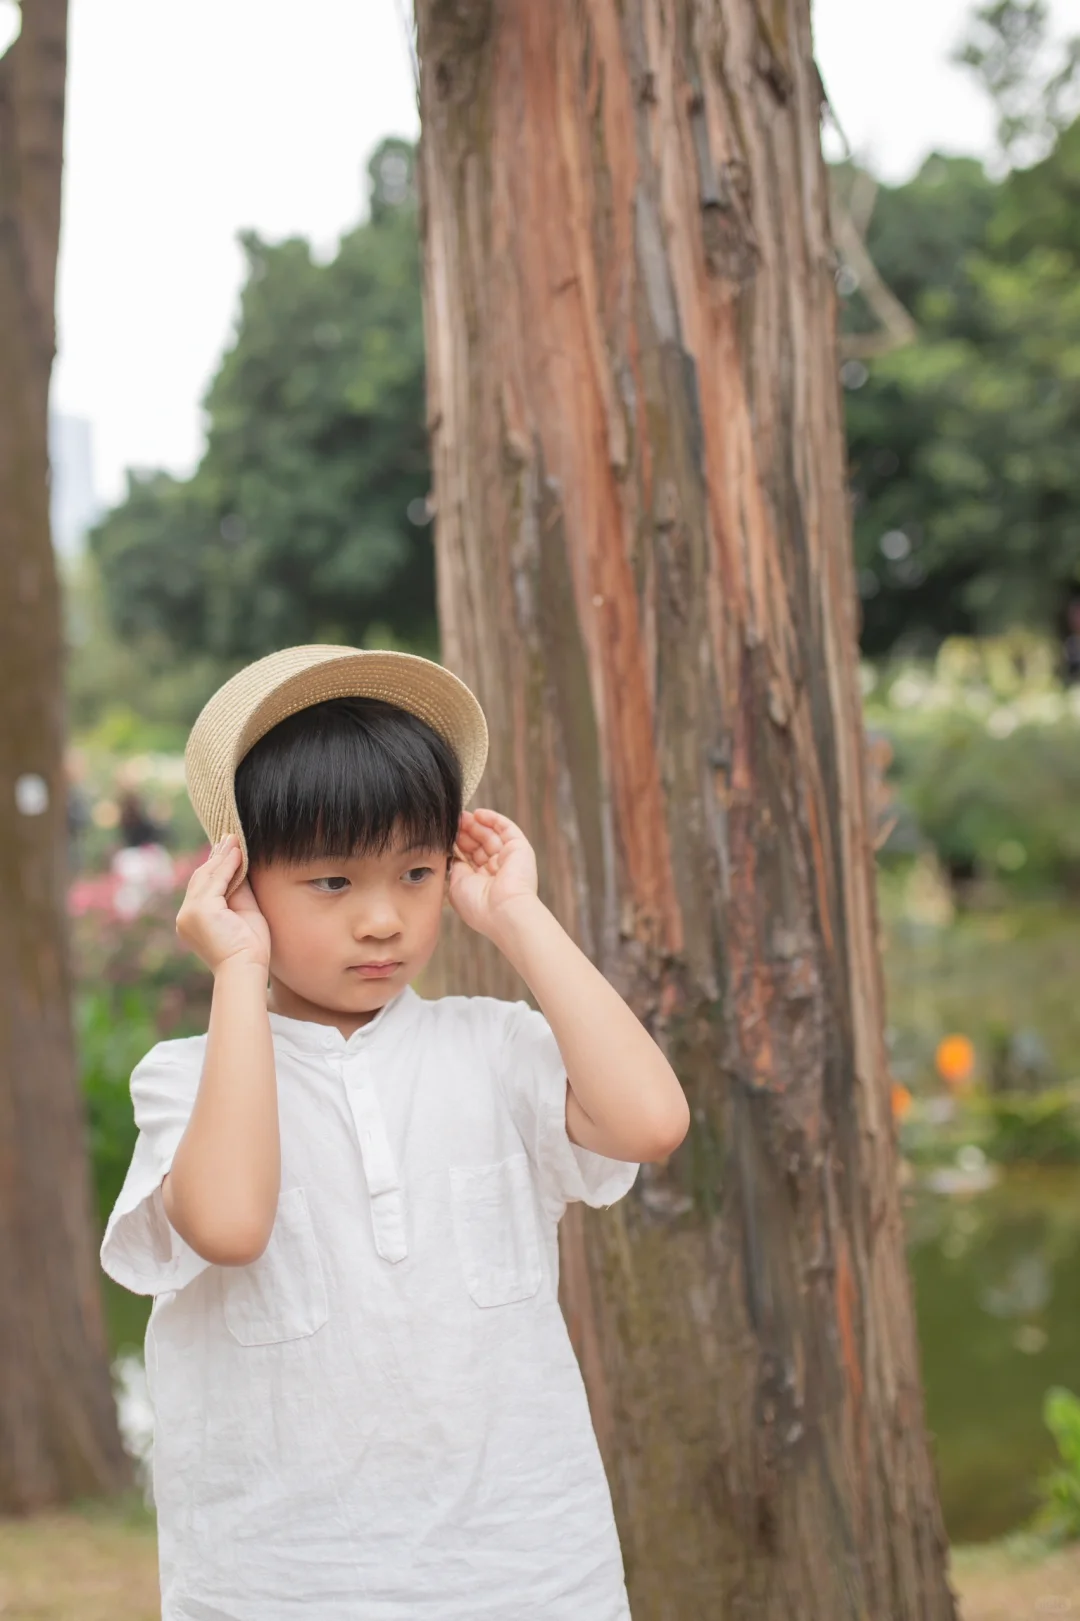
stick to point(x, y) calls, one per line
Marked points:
point(189, 120)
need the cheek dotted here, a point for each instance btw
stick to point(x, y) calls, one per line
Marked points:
point(297, 933)
point(428, 917)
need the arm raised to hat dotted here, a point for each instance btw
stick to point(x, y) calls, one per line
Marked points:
point(623, 1098)
point(221, 1193)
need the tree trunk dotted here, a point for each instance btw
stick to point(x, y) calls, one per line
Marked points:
point(644, 570)
point(58, 1432)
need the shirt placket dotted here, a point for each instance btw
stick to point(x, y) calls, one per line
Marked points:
point(380, 1171)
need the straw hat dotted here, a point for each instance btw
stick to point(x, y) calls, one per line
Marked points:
point(266, 692)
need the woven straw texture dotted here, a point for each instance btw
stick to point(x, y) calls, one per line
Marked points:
point(268, 691)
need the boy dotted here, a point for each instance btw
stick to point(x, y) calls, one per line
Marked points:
point(344, 1198)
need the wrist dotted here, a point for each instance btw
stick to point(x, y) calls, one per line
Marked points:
point(515, 922)
point(240, 969)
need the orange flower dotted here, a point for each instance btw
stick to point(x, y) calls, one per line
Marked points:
point(901, 1101)
point(955, 1060)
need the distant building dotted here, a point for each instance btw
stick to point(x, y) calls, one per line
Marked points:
point(73, 504)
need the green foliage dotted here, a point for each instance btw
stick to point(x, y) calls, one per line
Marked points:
point(1036, 207)
point(306, 519)
point(135, 986)
point(985, 759)
point(965, 482)
point(921, 233)
point(1003, 806)
point(1043, 1129)
point(1059, 1516)
point(967, 488)
point(114, 1032)
point(128, 695)
point(992, 491)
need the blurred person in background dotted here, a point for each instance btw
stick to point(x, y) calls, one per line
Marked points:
point(78, 807)
point(137, 826)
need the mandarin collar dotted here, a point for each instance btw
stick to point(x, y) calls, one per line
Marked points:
point(308, 1037)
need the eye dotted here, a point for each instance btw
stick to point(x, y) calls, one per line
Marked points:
point(338, 883)
point(416, 875)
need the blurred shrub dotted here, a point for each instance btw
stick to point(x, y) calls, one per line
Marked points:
point(1059, 1516)
point(1009, 1129)
point(985, 759)
point(1043, 1129)
point(114, 1032)
point(1000, 805)
point(135, 986)
point(929, 1142)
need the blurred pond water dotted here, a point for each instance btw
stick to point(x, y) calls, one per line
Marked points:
point(997, 1283)
point(997, 1288)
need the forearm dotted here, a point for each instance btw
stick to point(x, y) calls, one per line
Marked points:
point(619, 1077)
point(221, 1194)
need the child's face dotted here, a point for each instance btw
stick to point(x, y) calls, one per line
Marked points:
point(331, 922)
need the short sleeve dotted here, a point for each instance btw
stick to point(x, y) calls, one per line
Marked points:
point(533, 1076)
point(140, 1249)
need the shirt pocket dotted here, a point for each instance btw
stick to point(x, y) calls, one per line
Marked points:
point(282, 1295)
point(496, 1231)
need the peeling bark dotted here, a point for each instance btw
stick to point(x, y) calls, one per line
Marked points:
point(58, 1432)
point(644, 570)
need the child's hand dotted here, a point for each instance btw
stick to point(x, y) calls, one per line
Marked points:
point(494, 864)
point(220, 930)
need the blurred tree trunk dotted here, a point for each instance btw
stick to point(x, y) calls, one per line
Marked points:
point(58, 1433)
point(644, 569)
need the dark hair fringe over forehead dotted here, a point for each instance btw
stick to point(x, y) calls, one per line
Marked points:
point(347, 777)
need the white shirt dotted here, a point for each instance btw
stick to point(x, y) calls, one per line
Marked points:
point(382, 1418)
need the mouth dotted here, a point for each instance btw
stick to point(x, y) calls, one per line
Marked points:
point(374, 970)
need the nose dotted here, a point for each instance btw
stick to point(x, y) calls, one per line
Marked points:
point(377, 919)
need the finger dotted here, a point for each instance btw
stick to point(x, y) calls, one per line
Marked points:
point(484, 822)
point(475, 829)
point(243, 899)
point(500, 824)
point(224, 865)
point(216, 852)
point(490, 840)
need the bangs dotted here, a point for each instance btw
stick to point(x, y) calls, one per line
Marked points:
point(348, 777)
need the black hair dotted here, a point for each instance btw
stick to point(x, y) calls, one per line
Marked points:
point(347, 777)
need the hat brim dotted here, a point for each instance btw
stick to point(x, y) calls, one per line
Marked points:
point(258, 697)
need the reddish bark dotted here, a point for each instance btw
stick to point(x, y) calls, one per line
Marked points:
point(644, 570)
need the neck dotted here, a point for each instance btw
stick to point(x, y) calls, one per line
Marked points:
point(281, 998)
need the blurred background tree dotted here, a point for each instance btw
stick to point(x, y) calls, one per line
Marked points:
point(58, 1429)
point(307, 518)
point(964, 475)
